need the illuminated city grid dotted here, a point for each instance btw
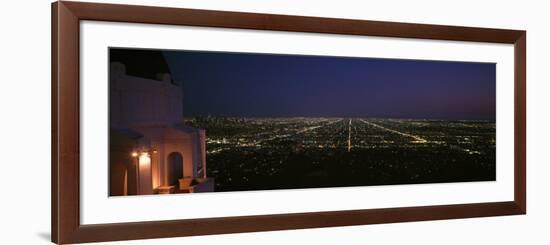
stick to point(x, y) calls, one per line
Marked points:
point(281, 153)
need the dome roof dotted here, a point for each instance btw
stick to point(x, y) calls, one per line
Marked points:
point(142, 63)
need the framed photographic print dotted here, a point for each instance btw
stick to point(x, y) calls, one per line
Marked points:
point(177, 122)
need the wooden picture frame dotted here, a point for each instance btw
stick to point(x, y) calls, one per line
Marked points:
point(66, 226)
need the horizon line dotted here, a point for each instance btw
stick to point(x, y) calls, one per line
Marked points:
point(350, 117)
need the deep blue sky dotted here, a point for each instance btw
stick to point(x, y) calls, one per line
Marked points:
point(264, 85)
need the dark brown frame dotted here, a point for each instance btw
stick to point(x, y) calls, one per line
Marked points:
point(66, 227)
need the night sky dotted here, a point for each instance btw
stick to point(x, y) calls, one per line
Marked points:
point(267, 85)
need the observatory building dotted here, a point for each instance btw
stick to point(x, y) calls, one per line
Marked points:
point(151, 151)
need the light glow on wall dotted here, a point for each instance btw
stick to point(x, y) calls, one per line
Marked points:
point(144, 160)
point(144, 175)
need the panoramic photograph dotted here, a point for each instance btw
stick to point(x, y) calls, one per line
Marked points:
point(202, 121)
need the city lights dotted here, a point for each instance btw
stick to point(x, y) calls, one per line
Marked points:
point(275, 153)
